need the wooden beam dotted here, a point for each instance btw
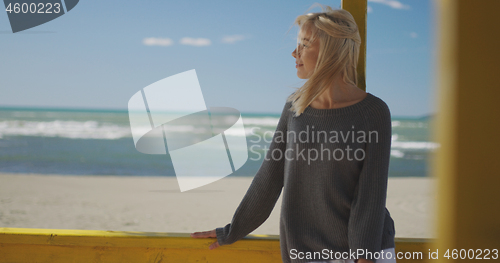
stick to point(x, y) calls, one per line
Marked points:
point(468, 126)
point(61, 246)
point(358, 10)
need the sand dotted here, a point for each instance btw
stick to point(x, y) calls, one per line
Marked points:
point(155, 204)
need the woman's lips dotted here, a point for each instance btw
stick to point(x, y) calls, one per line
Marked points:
point(298, 65)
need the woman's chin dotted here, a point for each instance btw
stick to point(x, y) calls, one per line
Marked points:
point(301, 76)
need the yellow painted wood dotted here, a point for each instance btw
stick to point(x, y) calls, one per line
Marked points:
point(56, 245)
point(358, 9)
point(122, 239)
point(412, 249)
point(468, 126)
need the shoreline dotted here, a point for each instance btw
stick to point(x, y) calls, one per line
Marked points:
point(155, 204)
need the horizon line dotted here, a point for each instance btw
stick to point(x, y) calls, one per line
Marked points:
point(51, 108)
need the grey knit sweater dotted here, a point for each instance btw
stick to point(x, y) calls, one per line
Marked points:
point(332, 166)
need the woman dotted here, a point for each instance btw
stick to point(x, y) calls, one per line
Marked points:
point(330, 156)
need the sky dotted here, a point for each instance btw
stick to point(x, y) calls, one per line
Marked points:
point(102, 52)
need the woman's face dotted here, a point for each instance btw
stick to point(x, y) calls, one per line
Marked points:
point(306, 54)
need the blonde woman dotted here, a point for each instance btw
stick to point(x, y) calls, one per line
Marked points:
point(329, 157)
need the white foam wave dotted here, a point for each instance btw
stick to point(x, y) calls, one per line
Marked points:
point(235, 132)
point(66, 129)
point(267, 121)
point(414, 145)
point(409, 124)
point(411, 145)
point(83, 129)
point(97, 130)
point(397, 153)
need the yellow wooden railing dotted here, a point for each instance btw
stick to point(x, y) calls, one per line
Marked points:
point(62, 246)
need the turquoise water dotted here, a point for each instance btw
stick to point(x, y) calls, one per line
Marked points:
point(87, 142)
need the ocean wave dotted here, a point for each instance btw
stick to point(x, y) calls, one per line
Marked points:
point(397, 153)
point(411, 145)
point(87, 129)
point(266, 121)
point(110, 131)
point(409, 124)
point(415, 145)
point(66, 129)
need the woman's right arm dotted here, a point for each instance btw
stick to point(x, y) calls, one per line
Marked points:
point(264, 191)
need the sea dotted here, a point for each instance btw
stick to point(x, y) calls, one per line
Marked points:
point(99, 142)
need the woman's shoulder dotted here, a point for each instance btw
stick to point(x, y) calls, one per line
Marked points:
point(377, 105)
point(377, 112)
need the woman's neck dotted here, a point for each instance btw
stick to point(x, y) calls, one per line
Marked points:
point(338, 95)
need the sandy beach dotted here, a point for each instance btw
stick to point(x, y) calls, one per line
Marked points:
point(155, 204)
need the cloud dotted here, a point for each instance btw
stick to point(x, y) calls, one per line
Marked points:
point(413, 35)
point(154, 41)
point(392, 3)
point(197, 42)
point(232, 39)
point(369, 9)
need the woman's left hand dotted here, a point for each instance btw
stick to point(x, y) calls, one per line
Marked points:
point(206, 234)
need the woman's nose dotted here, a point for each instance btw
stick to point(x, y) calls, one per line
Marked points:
point(294, 53)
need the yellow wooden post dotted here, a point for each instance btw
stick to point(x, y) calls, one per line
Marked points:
point(358, 10)
point(468, 126)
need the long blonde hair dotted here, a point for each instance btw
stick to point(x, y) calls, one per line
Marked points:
point(339, 43)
